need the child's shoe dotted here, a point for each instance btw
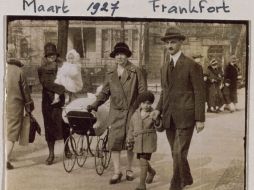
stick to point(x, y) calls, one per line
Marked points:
point(150, 176)
point(116, 178)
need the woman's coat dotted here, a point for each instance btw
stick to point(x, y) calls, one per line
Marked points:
point(123, 93)
point(52, 114)
point(17, 98)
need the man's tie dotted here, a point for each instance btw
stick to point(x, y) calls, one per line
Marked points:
point(171, 65)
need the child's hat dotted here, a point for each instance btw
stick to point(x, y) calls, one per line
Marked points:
point(145, 96)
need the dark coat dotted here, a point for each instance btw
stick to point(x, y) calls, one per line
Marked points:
point(17, 98)
point(142, 131)
point(231, 72)
point(215, 77)
point(226, 94)
point(183, 94)
point(52, 114)
point(123, 94)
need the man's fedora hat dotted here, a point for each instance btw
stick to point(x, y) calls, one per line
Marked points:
point(50, 49)
point(121, 47)
point(173, 32)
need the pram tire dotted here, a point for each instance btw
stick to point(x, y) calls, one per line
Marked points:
point(106, 152)
point(69, 161)
point(99, 157)
point(81, 150)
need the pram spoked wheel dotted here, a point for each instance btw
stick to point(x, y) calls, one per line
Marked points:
point(106, 152)
point(69, 158)
point(99, 157)
point(81, 150)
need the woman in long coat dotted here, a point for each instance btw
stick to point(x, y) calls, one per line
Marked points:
point(17, 98)
point(55, 128)
point(215, 76)
point(122, 85)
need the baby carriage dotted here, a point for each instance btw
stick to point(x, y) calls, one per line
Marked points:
point(85, 129)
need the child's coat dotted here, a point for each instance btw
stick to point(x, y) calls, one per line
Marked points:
point(69, 75)
point(143, 133)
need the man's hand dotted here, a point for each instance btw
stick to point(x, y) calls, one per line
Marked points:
point(199, 126)
point(155, 114)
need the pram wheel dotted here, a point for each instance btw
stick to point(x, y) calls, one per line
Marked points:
point(106, 152)
point(99, 157)
point(70, 158)
point(81, 150)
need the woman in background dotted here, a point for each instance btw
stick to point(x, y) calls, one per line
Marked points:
point(18, 97)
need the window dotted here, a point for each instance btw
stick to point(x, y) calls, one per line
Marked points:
point(50, 37)
point(24, 48)
point(84, 44)
point(112, 36)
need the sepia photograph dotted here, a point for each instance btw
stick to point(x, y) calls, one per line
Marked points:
point(100, 103)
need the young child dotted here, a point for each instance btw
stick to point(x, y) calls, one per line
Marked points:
point(226, 95)
point(142, 137)
point(69, 75)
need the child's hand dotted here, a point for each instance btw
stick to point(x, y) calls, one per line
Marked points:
point(155, 114)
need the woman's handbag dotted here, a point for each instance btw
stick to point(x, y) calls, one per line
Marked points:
point(25, 130)
point(34, 127)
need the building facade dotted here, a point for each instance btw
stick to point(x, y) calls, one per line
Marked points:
point(94, 40)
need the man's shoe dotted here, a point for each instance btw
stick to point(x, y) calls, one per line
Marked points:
point(140, 188)
point(9, 166)
point(186, 183)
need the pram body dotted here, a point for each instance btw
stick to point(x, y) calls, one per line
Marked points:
point(84, 126)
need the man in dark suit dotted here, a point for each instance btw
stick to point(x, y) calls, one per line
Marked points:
point(181, 104)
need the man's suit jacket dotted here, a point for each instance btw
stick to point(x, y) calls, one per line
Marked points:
point(183, 93)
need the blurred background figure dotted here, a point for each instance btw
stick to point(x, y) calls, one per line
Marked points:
point(215, 76)
point(207, 86)
point(226, 95)
point(198, 58)
point(231, 73)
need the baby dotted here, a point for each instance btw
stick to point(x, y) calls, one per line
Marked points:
point(69, 75)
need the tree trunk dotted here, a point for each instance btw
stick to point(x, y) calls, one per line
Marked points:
point(63, 26)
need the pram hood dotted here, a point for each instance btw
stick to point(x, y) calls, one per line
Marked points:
point(81, 104)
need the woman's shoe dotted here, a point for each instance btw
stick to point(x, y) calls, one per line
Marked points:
point(116, 178)
point(50, 159)
point(9, 166)
point(129, 175)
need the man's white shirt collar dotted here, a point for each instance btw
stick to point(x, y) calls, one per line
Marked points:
point(175, 57)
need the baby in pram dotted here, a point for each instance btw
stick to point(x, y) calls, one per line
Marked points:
point(81, 104)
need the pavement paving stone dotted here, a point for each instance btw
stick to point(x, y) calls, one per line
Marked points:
point(216, 158)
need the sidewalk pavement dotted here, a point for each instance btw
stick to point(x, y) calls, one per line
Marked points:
point(216, 158)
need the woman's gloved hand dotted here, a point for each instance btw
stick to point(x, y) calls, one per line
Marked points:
point(90, 108)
